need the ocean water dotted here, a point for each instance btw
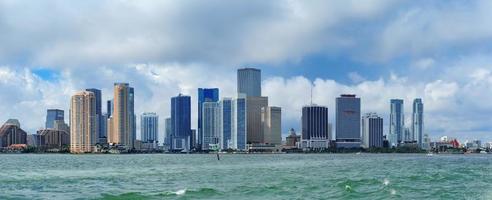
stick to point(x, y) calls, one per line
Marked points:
point(286, 176)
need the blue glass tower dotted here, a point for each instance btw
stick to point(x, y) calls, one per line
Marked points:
point(52, 115)
point(397, 123)
point(205, 95)
point(181, 122)
point(226, 122)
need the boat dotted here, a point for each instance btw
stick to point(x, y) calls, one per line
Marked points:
point(430, 154)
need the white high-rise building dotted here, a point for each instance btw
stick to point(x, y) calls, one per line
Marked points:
point(272, 125)
point(211, 125)
point(149, 127)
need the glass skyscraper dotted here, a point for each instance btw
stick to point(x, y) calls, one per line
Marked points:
point(210, 125)
point(249, 82)
point(239, 128)
point(204, 95)
point(149, 127)
point(397, 122)
point(226, 123)
point(52, 115)
point(181, 123)
point(348, 121)
point(418, 121)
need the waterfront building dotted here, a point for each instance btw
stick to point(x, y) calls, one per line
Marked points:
point(168, 133)
point(53, 139)
point(11, 134)
point(272, 125)
point(407, 136)
point(204, 95)
point(181, 123)
point(239, 126)
point(372, 131)
point(418, 121)
point(348, 121)
point(314, 127)
point(83, 122)
point(397, 122)
point(249, 82)
point(293, 139)
point(226, 123)
point(254, 125)
point(100, 129)
point(109, 108)
point(149, 127)
point(122, 121)
point(426, 142)
point(211, 125)
point(52, 115)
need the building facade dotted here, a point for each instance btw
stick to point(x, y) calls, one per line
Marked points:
point(240, 123)
point(52, 115)
point(255, 126)
point(149, 127)
point(226, 123)
point(418, 121)
point(314, 127)
point(204, 95)
point(372, 131)
point(249, 82)
point(348, 121)
point(100, 130)
point(122, 120)
point(83, 122)
point(272, 125)
point(181, 123)
point(11, 134)
point(168, 133)
point(397, 122)
point(211, 118)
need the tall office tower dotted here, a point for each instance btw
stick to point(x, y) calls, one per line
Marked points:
point(254, 126)
point(181, 123)
point(348, 121)
point(121, 121)
point(97, 94)
point(314, 127)
point(397, 122)
point(272, 127)
point(133, 116)
point(418, 121)
point(110, 107)
point(204, 95)
point(239, 124)
point(83, 122)
point(372, 131)
point(149, 127)
point(168, 133)
point(249, 82)
point(226, 123)
point(52, 115)
point(210, 125)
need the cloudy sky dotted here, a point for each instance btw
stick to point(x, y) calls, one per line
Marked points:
point(440, 51)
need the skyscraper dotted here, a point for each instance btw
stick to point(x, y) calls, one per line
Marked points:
point(168, 133)
point(205, 95)
point(181, 123)
point(372, 131)
point(210, 125)
point(52, 115)
point(254, 125)
point(121, 121)
point(149, 127)
point(272, 125)
point(249, 82)
point(418, 121)
point(314, 127)
point(133, 116)
point(97, 94)
point(83, 122)
point(110, 107)
point(240, 123)
point(348, 121)
point(226, 123)
point(397, 122)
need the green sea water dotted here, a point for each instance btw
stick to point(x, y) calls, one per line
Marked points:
point(286, 176)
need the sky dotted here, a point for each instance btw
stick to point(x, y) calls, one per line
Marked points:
point(440, 51)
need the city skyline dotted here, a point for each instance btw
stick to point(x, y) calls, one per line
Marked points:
point(436, 51)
